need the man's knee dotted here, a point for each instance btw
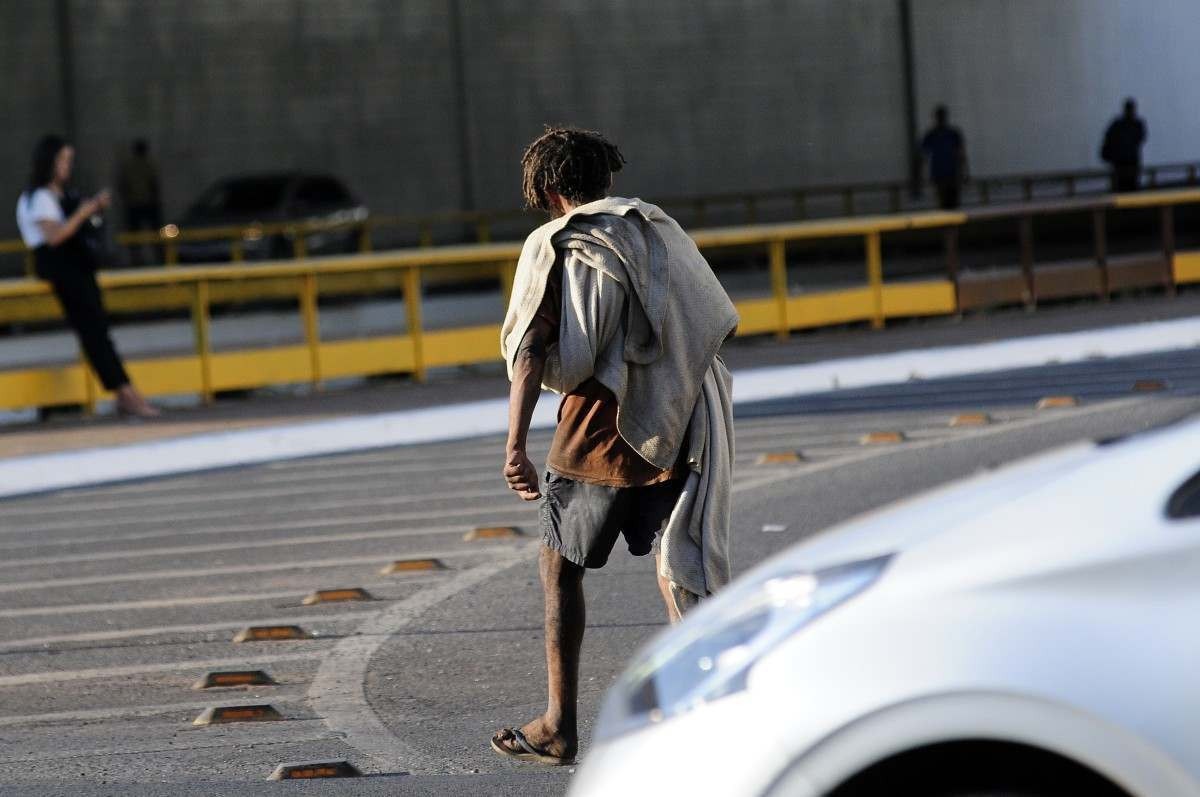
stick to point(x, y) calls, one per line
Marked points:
point(558, 570)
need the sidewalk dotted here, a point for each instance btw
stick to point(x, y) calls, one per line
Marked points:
point(766, 369)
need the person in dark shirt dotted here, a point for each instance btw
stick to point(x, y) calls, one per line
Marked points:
point(140, 195)
point(943, 146)
point(1122, 148)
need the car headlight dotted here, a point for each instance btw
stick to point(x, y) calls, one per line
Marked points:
point(709, 655)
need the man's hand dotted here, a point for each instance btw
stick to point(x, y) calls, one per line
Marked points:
point(521, 476)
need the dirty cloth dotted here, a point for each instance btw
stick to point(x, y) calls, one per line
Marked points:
point(664, 371)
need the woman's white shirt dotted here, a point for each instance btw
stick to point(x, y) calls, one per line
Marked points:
point(42, 205)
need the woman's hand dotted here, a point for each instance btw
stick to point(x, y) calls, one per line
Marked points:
point(99, 203)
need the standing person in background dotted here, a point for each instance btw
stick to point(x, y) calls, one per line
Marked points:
point(138, 188)
point(1122, 148)
point(946, 151)
point(54, 223)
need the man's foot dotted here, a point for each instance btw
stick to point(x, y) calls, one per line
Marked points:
point(537, 741)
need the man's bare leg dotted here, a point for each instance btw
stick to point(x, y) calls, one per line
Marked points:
point(556, 732)
point(679, 601)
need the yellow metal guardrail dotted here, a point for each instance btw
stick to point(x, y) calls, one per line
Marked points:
point(206, 372)
point(170, 236)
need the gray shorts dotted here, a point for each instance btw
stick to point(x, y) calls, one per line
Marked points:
point(582, 521)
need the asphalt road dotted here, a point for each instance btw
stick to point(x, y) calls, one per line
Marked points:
point(115, 600)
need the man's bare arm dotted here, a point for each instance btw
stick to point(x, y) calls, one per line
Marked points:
point(529, 365)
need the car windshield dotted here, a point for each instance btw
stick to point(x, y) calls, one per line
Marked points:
point(246, 195)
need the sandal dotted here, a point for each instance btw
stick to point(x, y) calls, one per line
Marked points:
point(530, 753)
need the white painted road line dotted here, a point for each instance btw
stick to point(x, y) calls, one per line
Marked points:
point(230, 570)
point(165, 603)
point(198, 667)
point(167, 518)
point(326, 484)
point(291, 525)
point(376, 587)
point(230, 547)
point(193, 628)
point(135, 712)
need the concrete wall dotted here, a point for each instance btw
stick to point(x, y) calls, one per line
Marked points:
point(354, 87)
point(1033, 84)
point(702, 95)
point(30, 98)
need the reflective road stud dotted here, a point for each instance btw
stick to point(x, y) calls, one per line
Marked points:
point(214, 680)
point(1149, 385)
point(338, 595)
point(881, 438)
point(779, 458)
point(321, 769)
point(270, 633)
point(219, 715)
point(971, 419)
point(412, 566)
point(1057, 402)
point(492, 533)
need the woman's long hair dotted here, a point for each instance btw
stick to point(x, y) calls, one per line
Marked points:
point(44, 154)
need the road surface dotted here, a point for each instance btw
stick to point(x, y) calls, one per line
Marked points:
point(115, 600)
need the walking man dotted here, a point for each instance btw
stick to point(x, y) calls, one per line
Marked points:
point(613, 307)
point(1122, 148)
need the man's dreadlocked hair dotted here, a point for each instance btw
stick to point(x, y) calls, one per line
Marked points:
point(576, 164)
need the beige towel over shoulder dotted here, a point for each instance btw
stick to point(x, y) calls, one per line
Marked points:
point(663, 370)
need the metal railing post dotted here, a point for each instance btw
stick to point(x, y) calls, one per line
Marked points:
point(30, 266)
point(171, 252)
point(483, 231)
point(751, 210)
point(364, 238)
point(1027, 188)
point(848, 201)
point(412, 308)
point(950, 238)
point(425, 230)
point(299, 245)
point(777, 260)
point(1025, 234)
point(894, 198)
point(1100, 240)
point(1167, 216)
point(875, 277)
point(236, 251)
point(312, 326)
point(202, 333)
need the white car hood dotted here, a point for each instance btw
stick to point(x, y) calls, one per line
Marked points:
point(1058, 504)
point(899, 527)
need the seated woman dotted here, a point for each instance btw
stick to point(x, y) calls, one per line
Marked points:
point(52, 223)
